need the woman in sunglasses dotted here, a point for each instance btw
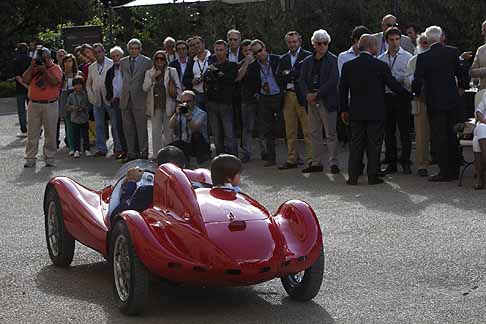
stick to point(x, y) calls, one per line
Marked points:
point(163, 86)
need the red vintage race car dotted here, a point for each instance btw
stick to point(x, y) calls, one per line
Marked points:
point(191, 235)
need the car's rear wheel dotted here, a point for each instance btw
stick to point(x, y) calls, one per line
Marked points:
point(60, 243)
point(130, 277)
point(305, 285)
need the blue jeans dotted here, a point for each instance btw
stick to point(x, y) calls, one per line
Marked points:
point(99, 114)
point(223, 128)
point(21, 102)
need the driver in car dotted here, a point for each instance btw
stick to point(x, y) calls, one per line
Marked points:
point(225, 172)
point(139, 197)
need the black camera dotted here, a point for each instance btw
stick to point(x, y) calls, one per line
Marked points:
point(39, 60)
point(183, 108)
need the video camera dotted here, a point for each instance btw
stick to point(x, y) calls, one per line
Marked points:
point(183, 108)
point(39, 60)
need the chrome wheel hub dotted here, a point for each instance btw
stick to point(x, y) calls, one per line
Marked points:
point(297, 278)
point(121, 267)
point(52, 229)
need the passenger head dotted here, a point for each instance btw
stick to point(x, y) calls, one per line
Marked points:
point(225, 168)
point(171, 154)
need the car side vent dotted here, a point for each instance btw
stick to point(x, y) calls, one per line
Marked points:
point(264, 269)
point(174, 265)
point(302, 258)
point(233, 272)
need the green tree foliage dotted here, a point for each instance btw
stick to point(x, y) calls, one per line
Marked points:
point(24, 19)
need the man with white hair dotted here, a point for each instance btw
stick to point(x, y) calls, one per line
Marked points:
point(387, 22)
point(318, 80)
point(362, 97)
point(478, 68)
point(113, 84)
point(439, 72)
point(233, 37)
point(419, 112)
point(133, 101)
point(169, 47)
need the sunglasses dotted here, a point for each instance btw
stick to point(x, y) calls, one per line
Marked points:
point(160, 58)
point(134, 48)
point(322, 43)
point(258, 51)
point(232, 39)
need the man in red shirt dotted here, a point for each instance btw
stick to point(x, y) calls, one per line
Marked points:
point(44, 79)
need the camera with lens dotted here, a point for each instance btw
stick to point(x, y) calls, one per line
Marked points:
point(291, 75)
point(211, 79)
point(183, 108)
point(39, 60)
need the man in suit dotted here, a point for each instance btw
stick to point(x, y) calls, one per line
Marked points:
point(362, 97)
point(318, 81)
point(133, 100)
point(405, 42)
point(294, 100)
point(235, 54)
point(181, 63)
point(440, 71)
point(262, 75)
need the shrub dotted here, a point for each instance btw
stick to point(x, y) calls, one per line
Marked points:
point(7, 89)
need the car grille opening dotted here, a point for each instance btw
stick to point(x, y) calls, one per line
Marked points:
point(199, 269)
point(174, 265)
point(233, 272)
point(264, 269)
point(302, 258)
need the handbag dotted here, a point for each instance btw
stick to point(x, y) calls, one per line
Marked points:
point(171, 89)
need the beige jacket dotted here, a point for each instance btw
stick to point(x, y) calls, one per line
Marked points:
point(95, 85)
point(148, 86)
point(478, 68)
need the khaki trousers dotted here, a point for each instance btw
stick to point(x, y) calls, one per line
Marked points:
point(41, 116)
point(422, 134)
point(320, 117)
point(293, 115)
point(162, 134)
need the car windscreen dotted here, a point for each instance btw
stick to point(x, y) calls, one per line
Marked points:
point(146, 165)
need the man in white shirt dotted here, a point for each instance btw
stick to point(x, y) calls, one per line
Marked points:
point(398, 108)
point(113, 84)
point(192, 79)
point(96, 89)
point(353, 51)
point(387, 22)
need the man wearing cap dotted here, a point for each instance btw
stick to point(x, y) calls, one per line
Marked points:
point(44, 79)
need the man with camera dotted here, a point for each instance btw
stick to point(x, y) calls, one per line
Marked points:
point(190, 125)
point(219, 83)
point(44, 79)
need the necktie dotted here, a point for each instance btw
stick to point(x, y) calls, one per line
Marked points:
point(132, 65)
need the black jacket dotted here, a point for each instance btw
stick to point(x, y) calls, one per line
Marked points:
point(365, 78)
point(437, 70)
point(253, 77)
point(177, 65)
point(287, 74)
point(110, 75)
point(220, 84)
point(329, 78)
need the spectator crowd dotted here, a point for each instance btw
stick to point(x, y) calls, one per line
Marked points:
point(386, 88)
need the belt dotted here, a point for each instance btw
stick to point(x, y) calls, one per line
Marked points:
point(290, 90)
point(44, 101)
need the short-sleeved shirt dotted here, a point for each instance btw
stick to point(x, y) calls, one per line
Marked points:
point(41, 89)
point(21, 64)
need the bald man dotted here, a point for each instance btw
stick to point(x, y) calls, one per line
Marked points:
point(364, 79)
point(387, 22)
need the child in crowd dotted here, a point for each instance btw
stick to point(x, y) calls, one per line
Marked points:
point(77, 106)
point(226, 171)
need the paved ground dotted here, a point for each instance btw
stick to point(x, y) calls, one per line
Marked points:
point(408, 251)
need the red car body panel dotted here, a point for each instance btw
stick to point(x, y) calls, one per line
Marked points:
point(200, 237)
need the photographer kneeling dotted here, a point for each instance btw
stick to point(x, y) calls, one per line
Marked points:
point(190, 125)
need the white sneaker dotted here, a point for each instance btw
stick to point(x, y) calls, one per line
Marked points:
point(88, 153)
point(22, 135)
point(71, 153)
point(76, 154)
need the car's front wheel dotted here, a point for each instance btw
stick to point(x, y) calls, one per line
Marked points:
point(305, 285)
point(130, 277)
point(60, 243)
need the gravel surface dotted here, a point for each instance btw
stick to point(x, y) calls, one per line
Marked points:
point(407, 251)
